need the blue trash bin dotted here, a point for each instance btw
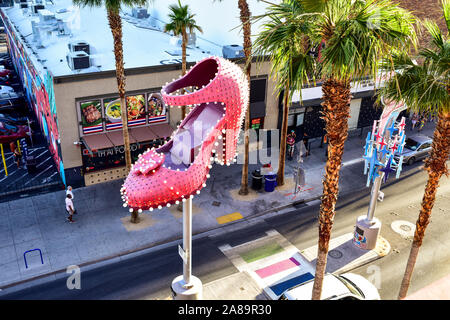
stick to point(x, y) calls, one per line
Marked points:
point(270, 182)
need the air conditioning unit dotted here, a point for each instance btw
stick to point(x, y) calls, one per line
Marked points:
point(36, 7)
point(232, 51)
point(78, 60)
point(45, 16)
point(79, 46)
point(62, 27)
point(140, 13)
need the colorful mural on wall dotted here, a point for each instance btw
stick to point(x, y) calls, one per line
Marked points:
point(38, 91)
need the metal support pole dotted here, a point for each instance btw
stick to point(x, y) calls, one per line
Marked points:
point(187, 241)
point(373, 198)
point(186, 286)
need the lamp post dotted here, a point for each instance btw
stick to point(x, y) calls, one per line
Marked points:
point(379, 153)
point(186, 286)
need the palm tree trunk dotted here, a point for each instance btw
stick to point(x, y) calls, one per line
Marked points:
point(245, 19)
point(436, 167)
point(284, 128)
point(183, 67)
point(336, 111)
point(115, 24)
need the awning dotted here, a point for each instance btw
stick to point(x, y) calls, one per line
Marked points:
point(97, 141)
point(163, 130)
point(143, 134)
point(116, 138)
point(257, 110)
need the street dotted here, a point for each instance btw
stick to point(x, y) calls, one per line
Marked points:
point(148, 276)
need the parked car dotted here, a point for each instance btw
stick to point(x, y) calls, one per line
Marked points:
point(348, 286)
point(416, 147)
point(4, 72)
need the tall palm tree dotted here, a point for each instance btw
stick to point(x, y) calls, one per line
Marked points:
point(425, 87)
point(288, 47)
point(245, 16)
point(182, 21)
point(357, 35)
point(113, 8)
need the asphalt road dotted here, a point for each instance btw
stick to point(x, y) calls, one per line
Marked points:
point(148, 276)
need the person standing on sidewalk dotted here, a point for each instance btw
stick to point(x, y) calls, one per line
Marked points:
point(306, 143)
point(70, 208)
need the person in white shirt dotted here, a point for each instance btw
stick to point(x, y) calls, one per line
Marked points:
point(69, 191)
point(69, 207)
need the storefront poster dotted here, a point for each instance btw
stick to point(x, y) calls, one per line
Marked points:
point(156, 108)
point(113, 119)
point(136, 110)
point(91, 116)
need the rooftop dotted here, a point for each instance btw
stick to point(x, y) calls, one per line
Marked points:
point(144, 42)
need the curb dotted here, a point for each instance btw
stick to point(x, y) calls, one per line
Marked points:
point(171, 241)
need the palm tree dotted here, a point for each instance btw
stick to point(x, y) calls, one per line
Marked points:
point(288, 47)
point(425, 87)
point(181, 21)
point(113, 8)
point(245, 16)
point(357, 35)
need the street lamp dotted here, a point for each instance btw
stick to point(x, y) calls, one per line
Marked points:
point(379, 162)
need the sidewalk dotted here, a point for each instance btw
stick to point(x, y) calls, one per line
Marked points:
point(102, 229)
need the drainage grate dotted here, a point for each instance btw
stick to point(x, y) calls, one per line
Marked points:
point(216, 203)
point(335, 254)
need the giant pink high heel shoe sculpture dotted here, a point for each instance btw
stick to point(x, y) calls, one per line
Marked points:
point(160, 178)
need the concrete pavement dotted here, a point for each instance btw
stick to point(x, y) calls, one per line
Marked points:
point(102, 230)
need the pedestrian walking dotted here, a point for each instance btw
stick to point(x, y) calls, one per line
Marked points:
point(422, 123)
point(70, 208)
point(17, 154)
point(69, 191)
point(414, 119)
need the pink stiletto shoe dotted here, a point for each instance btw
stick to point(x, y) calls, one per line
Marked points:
point(179, 169)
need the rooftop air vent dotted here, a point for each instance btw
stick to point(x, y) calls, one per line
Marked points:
point(139, 13)
point(36, 7)
point(79, 46)
point(78, 60)
point(232, 51)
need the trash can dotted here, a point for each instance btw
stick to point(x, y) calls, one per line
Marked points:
point(270, 182)
point(31, 164)
point(257, 180)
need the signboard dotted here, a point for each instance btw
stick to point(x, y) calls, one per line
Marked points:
point(91, 116)
point(156, 108)
point(113, 118)
point(136, 110)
